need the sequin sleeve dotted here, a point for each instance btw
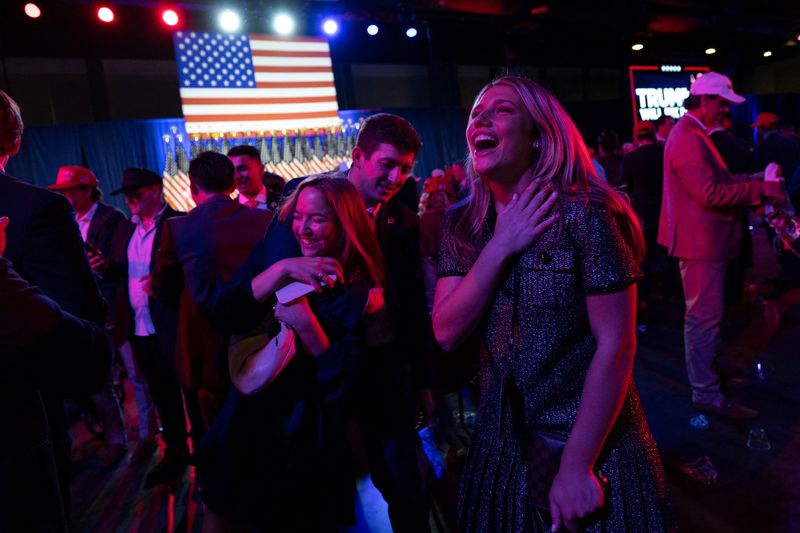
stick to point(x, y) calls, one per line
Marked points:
point(606, 260)
point(450, 263)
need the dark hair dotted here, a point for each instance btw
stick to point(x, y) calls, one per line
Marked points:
point(389, 129)
point(244, 149)
point(661, 120)
point(273, 182)
point(608, 141)
point(648, 135)
point(360, 253)
point(211, 172)
point(97, 194)
point(10, 123)
point(693, 100)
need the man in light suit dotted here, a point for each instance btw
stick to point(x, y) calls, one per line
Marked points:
point(701, 225)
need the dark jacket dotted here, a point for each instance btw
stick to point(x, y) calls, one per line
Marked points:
point(101, 236)
point(197, 251)
point(734, 151)
point(61, 356)
point(643, 177)
point(45, 246)
point(42, 348)
point(404, 289)
point(780, 149)
point(163, 312)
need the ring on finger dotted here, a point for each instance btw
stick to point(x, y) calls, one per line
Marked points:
point(320, 275)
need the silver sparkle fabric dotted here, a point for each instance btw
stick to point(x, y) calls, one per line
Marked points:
point(553, 348)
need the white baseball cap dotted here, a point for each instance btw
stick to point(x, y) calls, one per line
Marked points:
point(717, 84)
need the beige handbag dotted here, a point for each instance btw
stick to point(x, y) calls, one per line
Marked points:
point(255, 359)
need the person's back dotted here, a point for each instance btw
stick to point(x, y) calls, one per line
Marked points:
point(643, 175)
point(734, 150)
point(777, 148)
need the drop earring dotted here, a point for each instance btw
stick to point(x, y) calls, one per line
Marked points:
point(537, 144)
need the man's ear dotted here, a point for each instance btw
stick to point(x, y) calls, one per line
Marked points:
point(15, 148)
point(358, 154)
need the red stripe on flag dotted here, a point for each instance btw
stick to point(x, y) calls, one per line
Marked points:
point(244, 101)
point(271, 116)
point(292, 84)
point(288, 53)
point(292, 69)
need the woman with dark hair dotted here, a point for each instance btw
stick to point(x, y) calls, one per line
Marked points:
point(278, 458)
point(543, 259)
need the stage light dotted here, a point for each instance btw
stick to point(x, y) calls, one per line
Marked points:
point(797, 37)
point(283, 24)
point(372, 29)
point(32, 10)
point(170, 17)
point(229, 21)
point(711, 51)
point(636, 47)
point(105, 14)
point(768, 54)
point(411, 32)
point(330, 26)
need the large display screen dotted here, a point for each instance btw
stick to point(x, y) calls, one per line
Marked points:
point(661, 90)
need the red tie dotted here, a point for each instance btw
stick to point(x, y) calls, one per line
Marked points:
point(252, 202)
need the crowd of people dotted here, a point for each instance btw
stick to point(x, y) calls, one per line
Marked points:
point(277, 321)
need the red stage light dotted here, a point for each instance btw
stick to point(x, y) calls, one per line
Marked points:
point(32, 10)
point(170, 17)
point(105, 14)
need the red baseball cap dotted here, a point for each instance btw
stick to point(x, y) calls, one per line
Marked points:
point(69, 177)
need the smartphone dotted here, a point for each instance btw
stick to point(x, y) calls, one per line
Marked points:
point(295, 291)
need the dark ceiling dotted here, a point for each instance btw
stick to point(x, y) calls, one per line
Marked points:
point(559, 32)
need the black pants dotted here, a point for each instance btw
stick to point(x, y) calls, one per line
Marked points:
point(386, 415)
point(160, 375)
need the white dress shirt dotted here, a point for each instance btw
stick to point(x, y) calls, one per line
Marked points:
point(140, 253)
point(259, 201)
point(85, 220)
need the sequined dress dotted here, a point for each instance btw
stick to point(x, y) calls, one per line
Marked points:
point(587, 255)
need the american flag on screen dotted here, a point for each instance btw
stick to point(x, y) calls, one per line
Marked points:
point(239, 83)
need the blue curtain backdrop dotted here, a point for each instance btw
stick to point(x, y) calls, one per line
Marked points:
point(107, 148)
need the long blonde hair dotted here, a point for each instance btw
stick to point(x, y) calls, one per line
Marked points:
point(563, 161)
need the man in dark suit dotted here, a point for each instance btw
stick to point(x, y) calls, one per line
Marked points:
point(42, 348)
point(44, 245)
point(382, 159)
point(643, 177)
point(198, 250)
point(97, 222)
point(735, 151)
point(149, 323)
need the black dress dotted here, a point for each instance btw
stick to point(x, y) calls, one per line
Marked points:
point(279, 460)
point(550, 281)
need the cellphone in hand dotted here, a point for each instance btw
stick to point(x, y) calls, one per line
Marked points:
point(294, 291)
